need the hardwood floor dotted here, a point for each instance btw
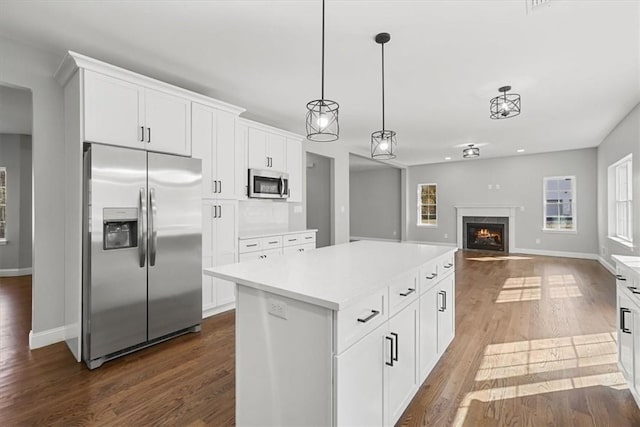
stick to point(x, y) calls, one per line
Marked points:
point(534, 346)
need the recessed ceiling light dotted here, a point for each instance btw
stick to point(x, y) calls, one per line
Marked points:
point(520, 150)
point(447, 158)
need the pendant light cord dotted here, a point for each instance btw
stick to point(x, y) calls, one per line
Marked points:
point(382, 87)
point(322, 90)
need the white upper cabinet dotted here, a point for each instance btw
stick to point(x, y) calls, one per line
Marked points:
point(112, 111)
point(167, 122)
point(294, 169)
point(266, 150)
point(126, 114)
point(213, 141)
point(276, 148)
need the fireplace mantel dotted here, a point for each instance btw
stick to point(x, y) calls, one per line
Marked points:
point(498, 210)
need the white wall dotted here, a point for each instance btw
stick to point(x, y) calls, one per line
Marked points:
point(340, 186)
point(319, 204)
point(15, 111)
point(29, 68)
point(623, 140)
point(375, 203)
point(520, 179)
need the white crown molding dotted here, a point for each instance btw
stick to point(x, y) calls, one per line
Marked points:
point(74, 60)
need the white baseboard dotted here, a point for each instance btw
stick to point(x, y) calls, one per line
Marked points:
point(563, 254)
point(606, 264)
point(45, 338)
point(7, 272)
point(377, 239)
point(213, 310)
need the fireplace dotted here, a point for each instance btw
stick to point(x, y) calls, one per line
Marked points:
point(486, 233)
point(485, 236)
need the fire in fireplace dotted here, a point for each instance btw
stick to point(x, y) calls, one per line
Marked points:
point(485, 236)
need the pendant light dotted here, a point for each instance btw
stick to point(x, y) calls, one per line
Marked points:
point(383, 142)
point(322, 114)
point(506, 105)
point(471, 152)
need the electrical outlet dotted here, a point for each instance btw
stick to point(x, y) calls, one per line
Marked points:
point(521, 208)
point(537, 241)
point(446, 236)
point(497, 186)
point(394, 233)
point(277, 308)
point(490, 187)
point(603, 250)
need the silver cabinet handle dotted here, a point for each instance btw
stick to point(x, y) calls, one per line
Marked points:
point(373, 314)
point(153, 242)
point(148, 134)
point(409, 292)
point(281, 186)
point(219, 211)
point(252, 245)
point(443, 307)
point(219, 186)
point(142, 230)
point(623, 327)
point(390, 339)
point(214, 186)
point(274, 242)
point(215, 212)
point(141, 134)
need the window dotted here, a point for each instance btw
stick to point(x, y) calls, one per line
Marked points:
point(621, 200)
point(559, 203)
point(3, 204)
point(427, 204)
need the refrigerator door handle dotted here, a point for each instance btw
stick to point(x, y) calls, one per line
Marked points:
point(142, 230)
point(153, 241)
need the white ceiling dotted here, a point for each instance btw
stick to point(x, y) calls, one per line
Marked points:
point(575, 63)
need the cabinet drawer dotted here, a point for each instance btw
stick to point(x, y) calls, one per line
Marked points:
point(358, 320)
point(299, 239)
point(447, 264)
point(249, 245)
point(272, 242)
point(428, 275)
point(402, 292)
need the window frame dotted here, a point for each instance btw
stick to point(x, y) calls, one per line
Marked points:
point(3, 239)
point(613, 212)
point(419, 205)
point(574, 204)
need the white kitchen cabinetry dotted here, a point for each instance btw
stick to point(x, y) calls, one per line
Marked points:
point(294, 169)
point(213, 140)
point(121, 113)
point(628, 320)
point(264, 247)
point(219, 240)
point(266, 150)
point(446, 312)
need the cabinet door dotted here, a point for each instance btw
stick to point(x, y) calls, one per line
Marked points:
point(241, 162)
point(428, 331)
point(250, 256)
point(167, 120)
point(636, 348)
point(446, 312)
point(294, 169)
point(224, 160)
point(402, 376)
point(276, 152)
point(202, 140)
point(112, 111)
point(625, 336)
point(272, 253)
point(224, 248)
point(359, 373)
point(257, 147)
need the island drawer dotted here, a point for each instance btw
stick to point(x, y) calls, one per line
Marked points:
point(272, 242)
point(447, 263)
point(429, 275)
point(358, 320)
point(249, 245)
point(299, 239)
point(402, 292)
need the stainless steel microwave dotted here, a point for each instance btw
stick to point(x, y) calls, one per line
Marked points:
point(267, 184)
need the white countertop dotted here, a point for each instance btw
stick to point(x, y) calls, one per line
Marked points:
point(633, 262)
point(254, 235)
point(331, 277)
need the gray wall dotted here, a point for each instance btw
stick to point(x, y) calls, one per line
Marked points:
point(623, 140)
point(15, 155)
point(520, 180)
point(30, 68)
point(375, 203)
point(15, 111)
point(319, 205)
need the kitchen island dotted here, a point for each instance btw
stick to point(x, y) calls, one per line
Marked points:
point(341, 335)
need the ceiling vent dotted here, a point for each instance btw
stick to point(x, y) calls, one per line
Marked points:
point(536, 5)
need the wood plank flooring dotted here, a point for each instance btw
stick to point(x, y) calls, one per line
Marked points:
point(534, 346)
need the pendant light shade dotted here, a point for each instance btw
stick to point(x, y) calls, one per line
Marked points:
point(506, 105)
point(322, 114)
point(383, 142)
point(471, 152)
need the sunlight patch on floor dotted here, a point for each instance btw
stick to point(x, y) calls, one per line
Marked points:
point(532, 288)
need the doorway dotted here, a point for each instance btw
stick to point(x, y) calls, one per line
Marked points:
point(320, 198)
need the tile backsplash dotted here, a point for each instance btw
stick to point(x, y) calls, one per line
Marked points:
point(257, 216)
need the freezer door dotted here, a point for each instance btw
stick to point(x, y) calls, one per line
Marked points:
point(115, 276)
point(175, 246)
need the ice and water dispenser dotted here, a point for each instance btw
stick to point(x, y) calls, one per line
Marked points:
point(120, 228)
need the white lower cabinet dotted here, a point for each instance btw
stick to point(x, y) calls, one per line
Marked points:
point(428, 331)
point(446, 312)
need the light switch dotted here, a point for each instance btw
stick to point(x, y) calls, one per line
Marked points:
point(490, 187)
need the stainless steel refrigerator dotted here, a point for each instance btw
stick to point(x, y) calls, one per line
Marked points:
point(142, 254)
